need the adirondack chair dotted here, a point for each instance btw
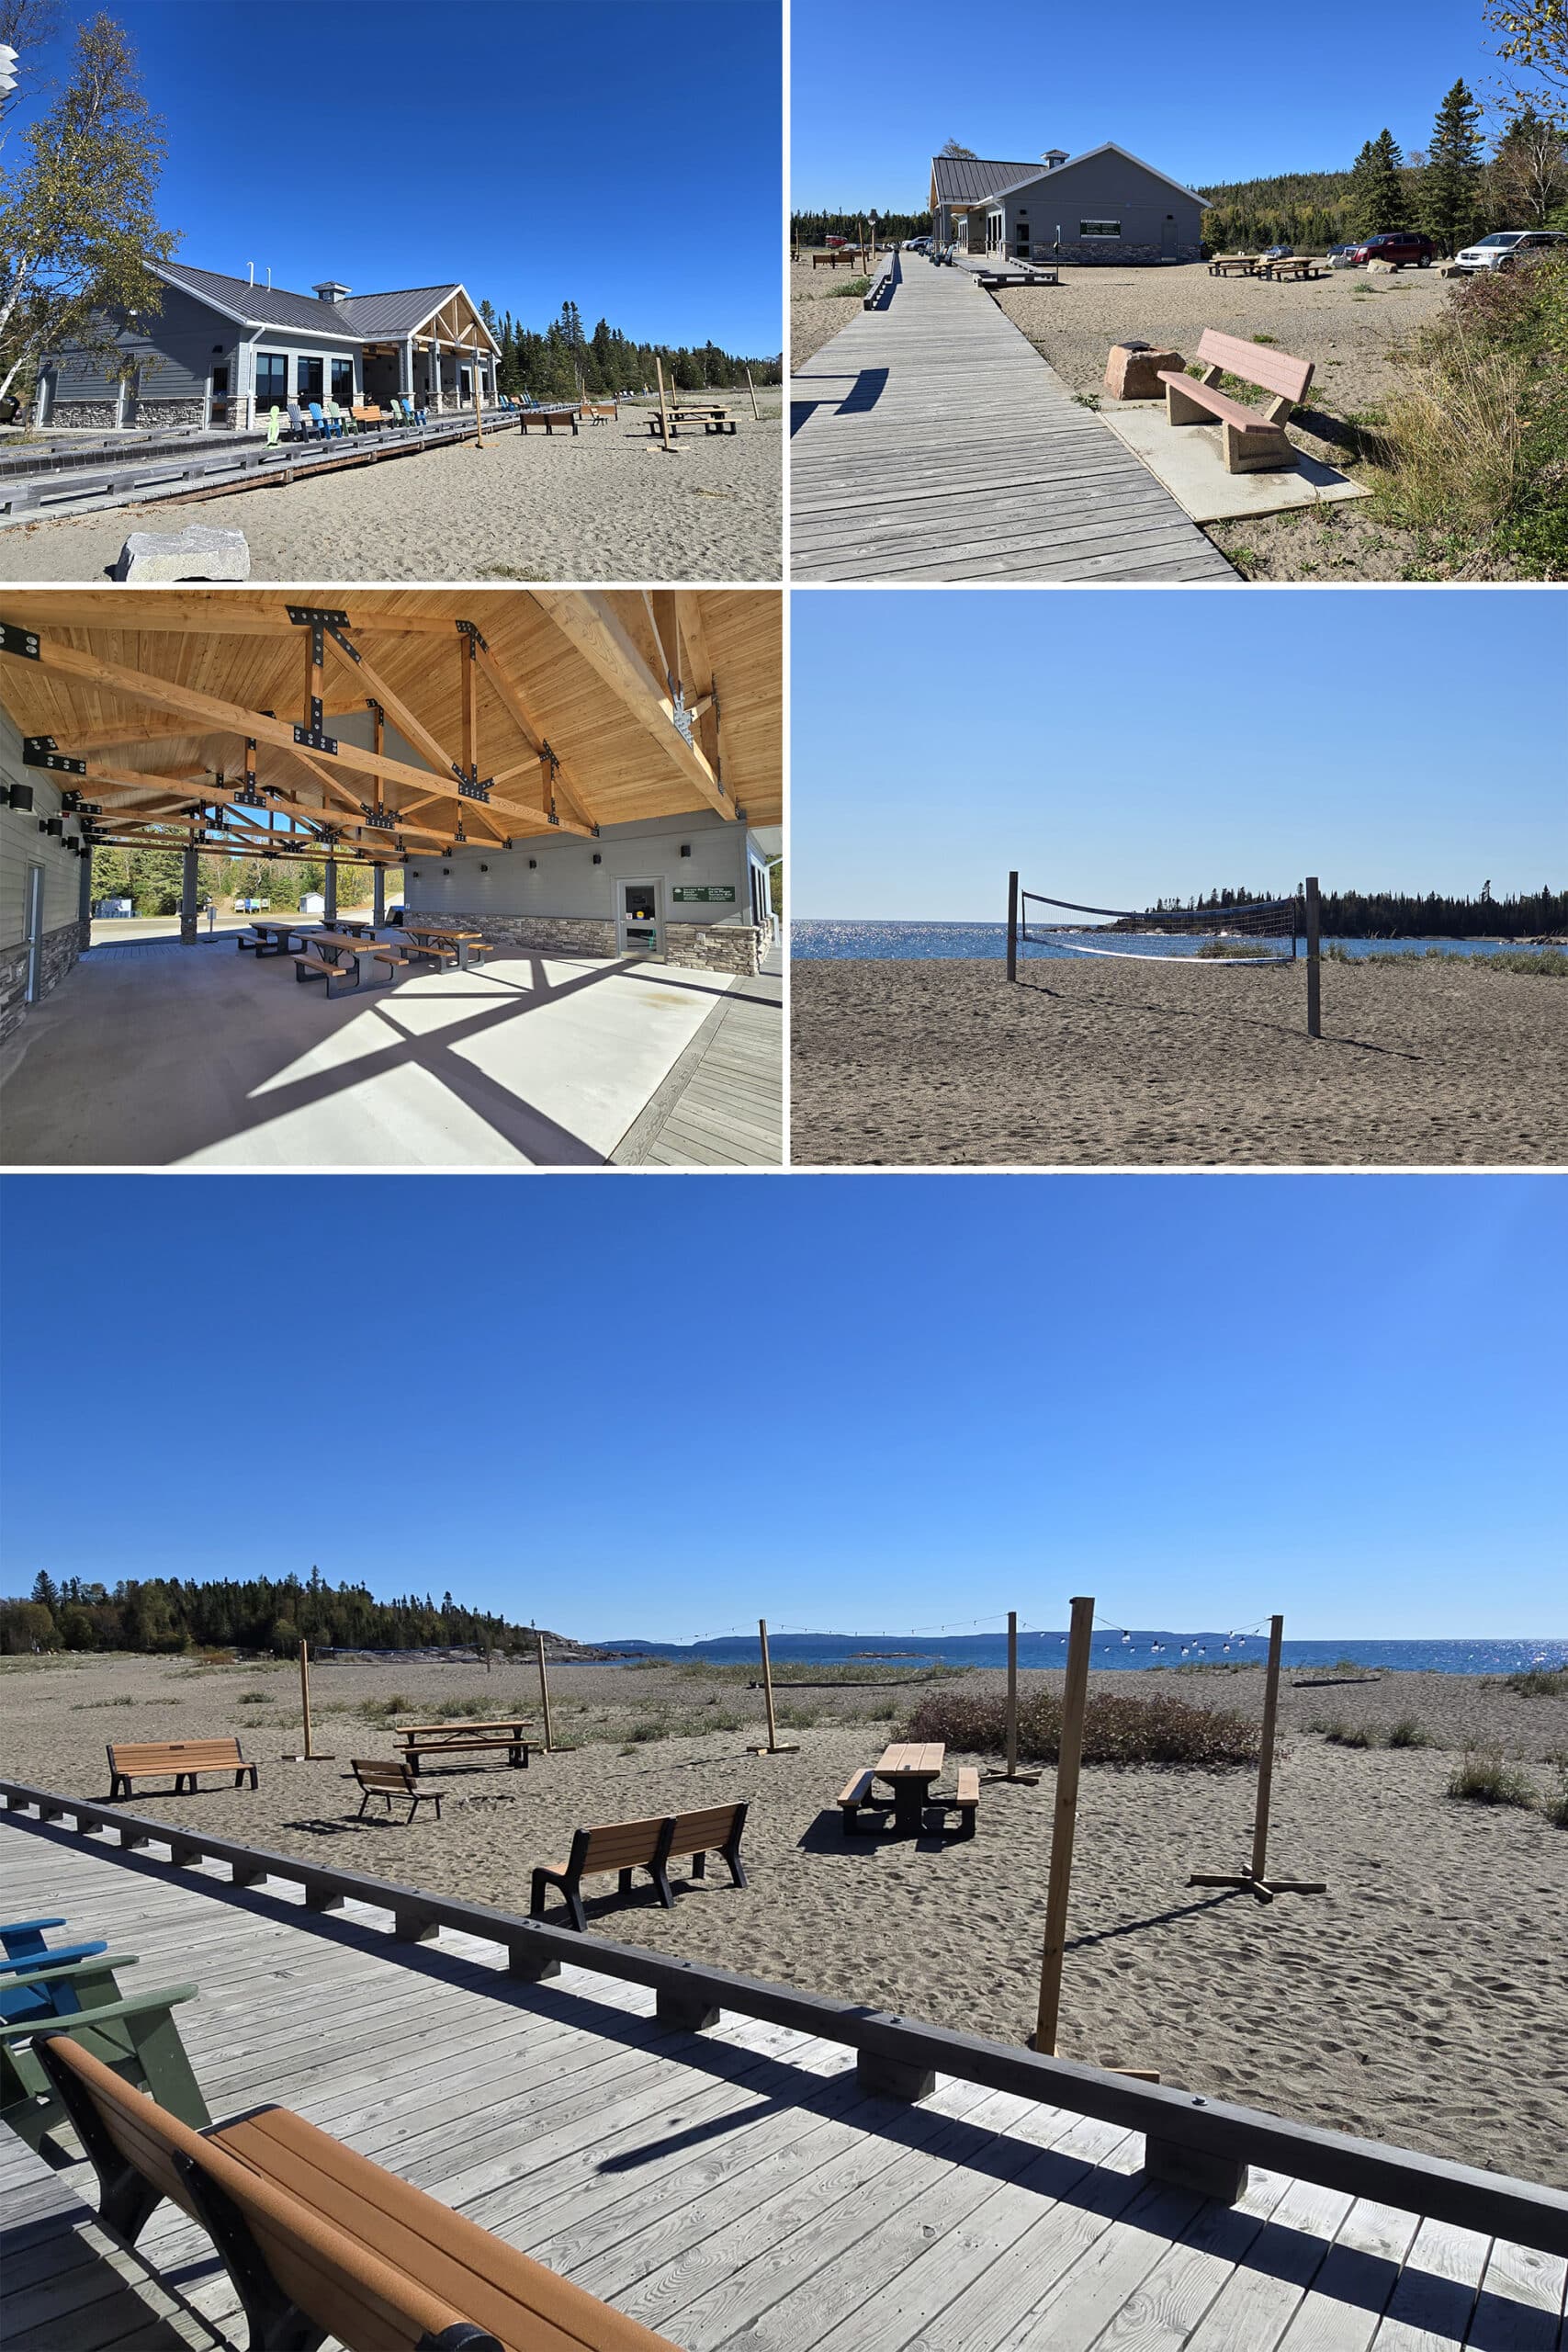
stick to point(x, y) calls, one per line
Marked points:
point(273, 427)
point(63, 1992)
point(22, 1941)
point(137, 2038)
point(318, 419)
point(299, 426)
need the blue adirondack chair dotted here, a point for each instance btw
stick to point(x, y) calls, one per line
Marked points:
point(321, 422)
point(63, 1992)
point(24, 1945)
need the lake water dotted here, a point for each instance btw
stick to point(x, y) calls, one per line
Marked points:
point(1111, 1648)
point(931, 942)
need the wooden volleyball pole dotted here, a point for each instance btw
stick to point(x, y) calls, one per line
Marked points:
point(544, 1696)
point(1314, 961)
point(1069, 1757)
point(772, 1748)
point(308, 1754)
point(1027, 1779)
point(1255, 1878)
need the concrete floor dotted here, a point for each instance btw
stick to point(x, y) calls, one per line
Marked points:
point(160, 1056)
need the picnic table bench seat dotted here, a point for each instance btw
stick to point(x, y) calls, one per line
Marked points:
point(625, 1847)
point(1250, 438)
point(319, 2241)
point(856, 1792)
point(148, 1759)
point(389, 1776)
point(966, 1804)
point(313, 966)
point(434, 950)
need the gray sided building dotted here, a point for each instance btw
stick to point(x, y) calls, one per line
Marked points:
point(222, 352)
point(44, 883)
point(1104, 206)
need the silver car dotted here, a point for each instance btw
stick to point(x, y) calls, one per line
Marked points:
point(1498, 250)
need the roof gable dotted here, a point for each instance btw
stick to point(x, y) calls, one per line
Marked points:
point(363, 317)
point(1025, 175)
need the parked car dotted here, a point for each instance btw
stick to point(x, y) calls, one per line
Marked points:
point(1498, 250)
point(1401, 246)
point(1343, 257)
point(252, 906)
point(1277, 252)
point(832, 242)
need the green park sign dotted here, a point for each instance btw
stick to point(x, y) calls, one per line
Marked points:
point(706, 894)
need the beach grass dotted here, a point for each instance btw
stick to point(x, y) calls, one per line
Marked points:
point(1119, 1727)
point(856, 1673)
point(1482, 1776)
point(1538, 1682)
point(1537, 963)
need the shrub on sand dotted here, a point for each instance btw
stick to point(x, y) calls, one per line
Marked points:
point(1410, 1733)
point(1343, 1734)
point(1483, 1777)
point(1556, 1807)
point(1540, 1681)
point(1119, 1727)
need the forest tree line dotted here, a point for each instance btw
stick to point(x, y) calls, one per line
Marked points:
point(151, 878)
point(171, 1614)
point(565, 361)
point(1400, 914)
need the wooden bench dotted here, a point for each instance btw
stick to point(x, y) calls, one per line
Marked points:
point(553, 419)
point(148, 1759)
point(389, 1776)
point(134, 2039)
point(313, 966)
point(966, 1804)
point(319, 2241)
point(854, 1794)
point(628, 1845)
point(1250, 438)
point(394, 958)
point(434, 950)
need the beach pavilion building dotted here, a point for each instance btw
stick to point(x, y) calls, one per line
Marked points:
point(223, 350)
point(1105, 206)
point(588, 784)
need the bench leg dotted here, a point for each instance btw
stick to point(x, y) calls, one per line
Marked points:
point(736, 1868)
point(1181, 410)
point(363, 1800)
point(662, 1887)
point(699, 1866)
point(1251, 453)
point(623, 1884)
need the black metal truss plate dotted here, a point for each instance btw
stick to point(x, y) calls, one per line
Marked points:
point(468, 630)
point(40, 743)
point(32, 757)
point(338, 638)
point(23, 641)
point(314, 741)
point(317, 616)
point(245, 799)
point(380, 820)
point(471, 789)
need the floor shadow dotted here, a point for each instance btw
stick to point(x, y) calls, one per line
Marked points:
point(1157, 1920)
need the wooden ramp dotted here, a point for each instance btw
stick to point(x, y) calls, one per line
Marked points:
point(731, 2188)
point(931, 441)
point(722, 1104)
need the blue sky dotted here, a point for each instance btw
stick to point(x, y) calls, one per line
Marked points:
point(1013, 79)
point(607, 153)
point(1118, 746)
point(1198, 1398)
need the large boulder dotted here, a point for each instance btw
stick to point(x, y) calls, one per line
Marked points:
point(1132, 372)
point(195, 553)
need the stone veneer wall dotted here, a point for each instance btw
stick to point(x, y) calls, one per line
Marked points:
point(708, 947)
point(60, 949)
point(1112, 255)
point(151, 416)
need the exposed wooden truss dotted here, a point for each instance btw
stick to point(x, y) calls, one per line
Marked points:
point(643, 674)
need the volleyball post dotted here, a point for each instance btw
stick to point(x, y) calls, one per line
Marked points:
point(1314, 968)
point(1013, 926)
point(1255, 1878)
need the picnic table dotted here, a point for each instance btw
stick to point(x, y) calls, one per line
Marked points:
point(909, 1766)
point(278, 933)
point(510, 1732)
point(451, 934)
point(344, 947)
point(1246, 264)
point(355, 927)
point(1293, 265)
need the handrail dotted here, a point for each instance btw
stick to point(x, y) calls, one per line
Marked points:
point(896, 2055)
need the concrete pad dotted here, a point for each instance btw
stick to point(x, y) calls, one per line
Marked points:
point(1186, 458)
point(199, 1057)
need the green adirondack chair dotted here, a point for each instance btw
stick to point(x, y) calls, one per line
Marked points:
point(40, 1995)
point(138, 2037)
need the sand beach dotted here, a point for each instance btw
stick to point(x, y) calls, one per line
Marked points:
point(608, 504)
point(1433, 1062)
point(1422, 2000)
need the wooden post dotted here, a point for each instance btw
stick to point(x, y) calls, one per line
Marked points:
point(1315, 984)
point(305, 1695)
point(772, 1747)
point(1079, 1638)
point(663, 411)
point(1266, 1755)
point(478, 403)
point(1013, 926)
point(751, 387)
point(544, 1697)
point(1012, 1694)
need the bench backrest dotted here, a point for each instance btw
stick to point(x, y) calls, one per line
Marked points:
point(144, 2134)
point(1255, 363)
point(619, 1845)
point(174, 1754)
point(383, 1772)
point(703, 1832)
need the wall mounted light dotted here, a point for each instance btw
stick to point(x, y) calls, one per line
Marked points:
point(20, 795)
point(597, 859)
point(484, 869)
point(685, 849)
point(446, 870)
point(533, 861)
point(55, 825)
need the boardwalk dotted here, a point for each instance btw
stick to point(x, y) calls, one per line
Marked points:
point(722, 1105)
point(931, 441)
point(731, 2188)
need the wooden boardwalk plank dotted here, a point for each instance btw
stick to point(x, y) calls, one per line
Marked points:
point(735, 2185)
point(931, 441)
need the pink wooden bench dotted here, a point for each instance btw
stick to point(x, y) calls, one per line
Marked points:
point(1250, 438)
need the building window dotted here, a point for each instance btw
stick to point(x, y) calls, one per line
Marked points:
point(271, 379)
point(1099, 228)
point(308, 377)
point(343, 382)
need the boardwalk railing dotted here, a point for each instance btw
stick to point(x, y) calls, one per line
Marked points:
point(879, 293)
point(1195, 2142)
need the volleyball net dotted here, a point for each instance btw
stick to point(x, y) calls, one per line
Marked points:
point(1229, 928)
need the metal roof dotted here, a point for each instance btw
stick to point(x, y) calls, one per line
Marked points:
point(966, 179)
point(1024, 174)
point(363, 317)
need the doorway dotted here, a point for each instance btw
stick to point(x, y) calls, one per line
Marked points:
point(1167, 238)
point(639, 927)
point(130, 398)
point(33, 934)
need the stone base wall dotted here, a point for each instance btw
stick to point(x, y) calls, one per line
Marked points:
point(547, 934)
point(1117, 256)
point(61, 950)
point(720, 947)
point(151, 416)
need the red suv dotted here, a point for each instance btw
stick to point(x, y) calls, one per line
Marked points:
point(1396, 244)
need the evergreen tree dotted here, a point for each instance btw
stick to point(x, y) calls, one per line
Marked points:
point(1377, 191)
point(1450, 184)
